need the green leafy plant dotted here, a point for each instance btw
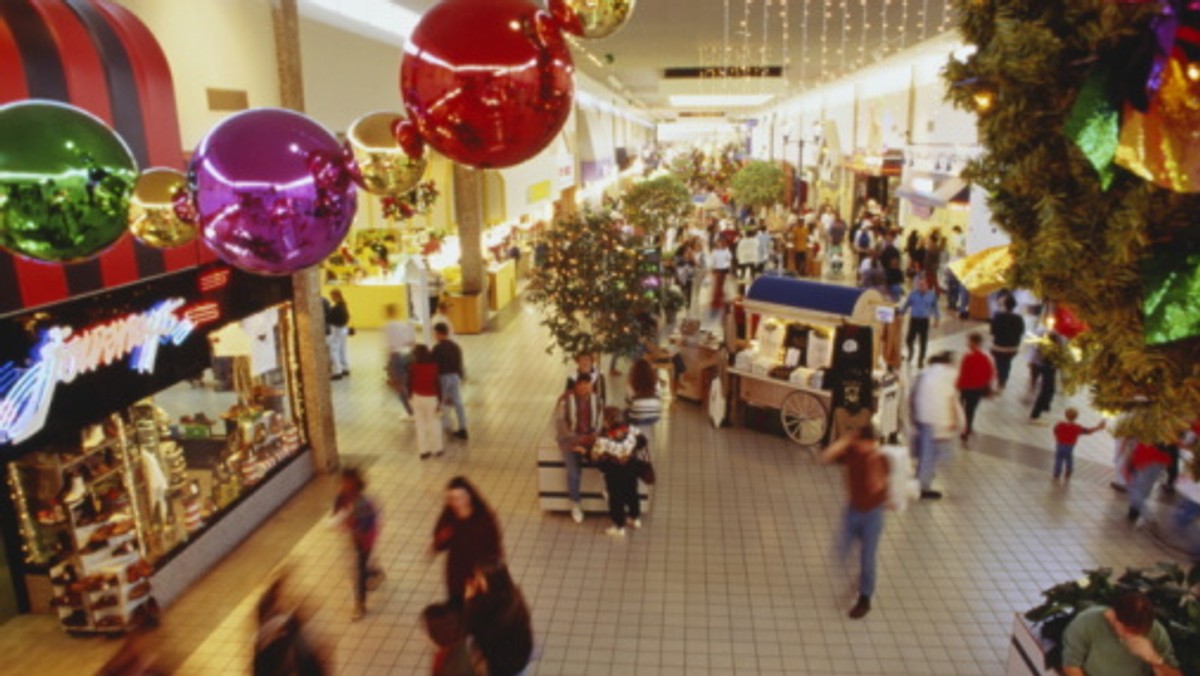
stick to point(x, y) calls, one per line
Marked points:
point(1074, 239)
point(759, 184)
point(1171, 589)
point(656, 204)
point(593, 285)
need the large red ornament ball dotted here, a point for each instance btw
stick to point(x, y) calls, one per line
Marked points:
point(489, 83)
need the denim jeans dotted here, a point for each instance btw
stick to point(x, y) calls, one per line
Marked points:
point(452, 394)
point(1003, 361)
point(397, 369)
point(1064, 458)
point(866, 527)
point(930, 453)
point(1185, 513)
point(574, 466)
point(1141, 484)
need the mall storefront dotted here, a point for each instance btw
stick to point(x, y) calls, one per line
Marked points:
point(145, 431)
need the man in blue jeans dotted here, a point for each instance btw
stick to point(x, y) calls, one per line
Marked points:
point(448, 356)
point(867, 486)
point(578, 421)
point(937, 417)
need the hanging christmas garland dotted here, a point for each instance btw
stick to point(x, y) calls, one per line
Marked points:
point(1095, 179)
point(416, 202)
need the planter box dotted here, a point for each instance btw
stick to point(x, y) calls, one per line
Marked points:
point(1027, 651)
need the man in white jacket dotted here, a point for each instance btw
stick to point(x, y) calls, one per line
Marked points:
point(937, 418)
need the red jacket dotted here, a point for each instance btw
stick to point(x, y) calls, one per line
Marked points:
point(976, 372)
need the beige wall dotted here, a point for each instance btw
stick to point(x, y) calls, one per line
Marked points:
point(347, 75)
point(226, 44)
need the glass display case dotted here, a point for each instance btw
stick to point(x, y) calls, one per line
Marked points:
point(101, 510)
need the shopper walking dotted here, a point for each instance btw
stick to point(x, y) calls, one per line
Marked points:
point(357, 515)
point(469, 534)
point(1066, 435)
point(337, 330)
point(498, 620)
point(615, 453)
point(281, 646)
point(577, 422)
point(867, 475)
point(1008, 329)
point(449, 358)
point(399, 339)
point(425, 385)
point(975, 378)
point(720, 261)
point(937, 416)
point(921, 306)
point(1046, 374)
point(1146, 464)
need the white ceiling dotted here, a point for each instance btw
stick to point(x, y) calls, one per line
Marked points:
point(837, 38)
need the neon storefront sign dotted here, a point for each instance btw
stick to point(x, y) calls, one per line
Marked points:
point(65, 354)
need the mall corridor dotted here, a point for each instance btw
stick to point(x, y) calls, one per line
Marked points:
point(732, 573)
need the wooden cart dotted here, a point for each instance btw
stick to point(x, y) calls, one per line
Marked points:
point(806, 411)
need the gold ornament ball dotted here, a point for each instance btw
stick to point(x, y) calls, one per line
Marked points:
point(592, 19)
point(152, 216)
point(384, 166)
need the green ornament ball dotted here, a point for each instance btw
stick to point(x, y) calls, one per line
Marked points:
point(65, 182)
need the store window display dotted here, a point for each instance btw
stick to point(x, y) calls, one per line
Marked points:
point(101, 510)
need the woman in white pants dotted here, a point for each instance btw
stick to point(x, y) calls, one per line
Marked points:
point(426, 397)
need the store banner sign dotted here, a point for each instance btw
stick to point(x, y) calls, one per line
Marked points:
point(65, 354)
point(68, 365)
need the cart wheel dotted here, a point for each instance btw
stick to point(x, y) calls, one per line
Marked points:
point(804, 418)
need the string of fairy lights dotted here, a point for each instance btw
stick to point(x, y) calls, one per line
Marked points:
point(829, 46)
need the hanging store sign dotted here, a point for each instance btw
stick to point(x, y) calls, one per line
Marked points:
point(65, 354)
point(68, 365)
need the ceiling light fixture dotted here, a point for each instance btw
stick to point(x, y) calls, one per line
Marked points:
point(719, 100)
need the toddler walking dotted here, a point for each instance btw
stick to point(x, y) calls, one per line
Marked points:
point(1066, 435)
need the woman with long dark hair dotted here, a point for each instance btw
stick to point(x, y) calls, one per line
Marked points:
point(498, 620)
point(469, 534)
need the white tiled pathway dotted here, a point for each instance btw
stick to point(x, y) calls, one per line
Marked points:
point(732, 573)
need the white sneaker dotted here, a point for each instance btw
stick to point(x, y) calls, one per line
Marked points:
point(576, 513)
point(615, 531)
point(636, 523)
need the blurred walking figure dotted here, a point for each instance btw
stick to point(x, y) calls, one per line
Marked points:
point(645, 406)
point(469, 534)
point(937, 415)
point(425, 386)
point(280, 646)
point(867, 476)
point(498, 620)
point(357, 515)
point(400, 337)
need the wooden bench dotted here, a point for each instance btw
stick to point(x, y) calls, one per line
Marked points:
point(552, 485)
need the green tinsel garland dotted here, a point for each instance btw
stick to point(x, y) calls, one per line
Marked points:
point(1072, 240)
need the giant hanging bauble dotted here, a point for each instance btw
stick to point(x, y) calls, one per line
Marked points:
point(153, 218)
point(489, 83)
point(592, 18)
point(65, 180)
point(384, 168)
point(273, 191)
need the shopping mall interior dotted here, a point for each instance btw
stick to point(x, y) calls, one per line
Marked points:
point(573, 337)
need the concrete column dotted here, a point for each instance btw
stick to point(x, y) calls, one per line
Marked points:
point(306, 285)
point(285, 22)
point(468, 208)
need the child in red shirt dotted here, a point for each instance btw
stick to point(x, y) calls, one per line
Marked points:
point(1066, 435)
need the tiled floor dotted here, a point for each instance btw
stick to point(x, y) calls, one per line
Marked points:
point(732, 573)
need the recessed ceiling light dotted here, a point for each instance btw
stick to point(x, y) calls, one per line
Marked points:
point(719, 100)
